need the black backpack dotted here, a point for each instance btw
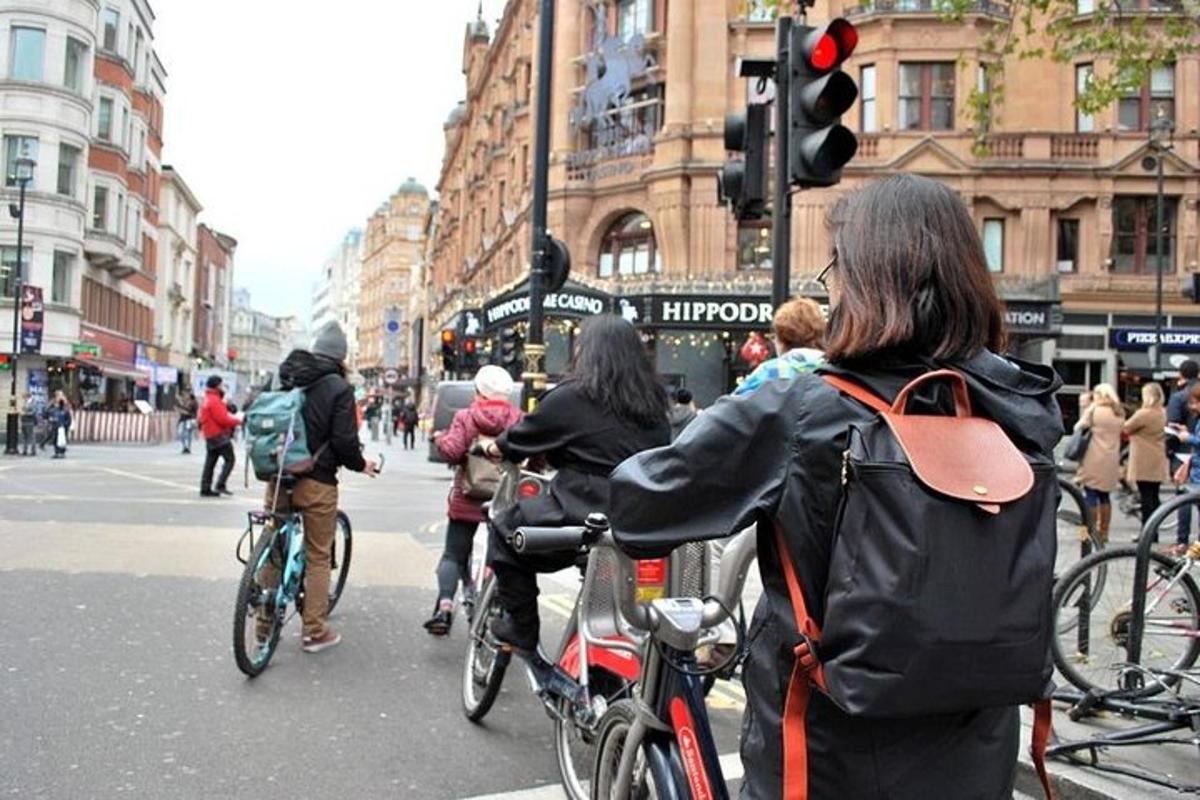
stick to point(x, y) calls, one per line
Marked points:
point(940, 573)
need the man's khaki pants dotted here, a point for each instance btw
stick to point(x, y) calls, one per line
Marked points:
point(317, 503)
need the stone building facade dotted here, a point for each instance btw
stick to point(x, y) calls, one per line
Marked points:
point(392, 248)
point(641, 89)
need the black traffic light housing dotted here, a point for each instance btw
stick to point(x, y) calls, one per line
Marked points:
point(742, 184)
point(469, 358)
point(449, 350)
point(819, 145)
point(557, 265)
point(507, 352)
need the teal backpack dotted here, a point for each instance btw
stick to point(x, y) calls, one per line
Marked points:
point(276, 439)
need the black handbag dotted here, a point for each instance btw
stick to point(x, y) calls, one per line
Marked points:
point(1077, 445)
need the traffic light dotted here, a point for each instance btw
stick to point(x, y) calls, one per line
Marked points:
point(6, 362)
point(557, 265)
point(742, 183)
point(819, 146)
point(470, 353)
point(449, 353)
point(510, 342)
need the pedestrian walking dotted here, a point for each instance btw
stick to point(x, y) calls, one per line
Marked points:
point(682, 411)
point(186, 406)
point(1100, 471)
point(910, 292)
point(371, 414)
point(410, 421)
point(397, 404)
point(490, 414)
point(1147, 468)
point(1191, 439)
point(331, 430)
point(60, 418)
point(798, 329)
point(29, 410)
point(217, 425)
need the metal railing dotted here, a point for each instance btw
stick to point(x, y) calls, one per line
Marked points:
point(990, 8)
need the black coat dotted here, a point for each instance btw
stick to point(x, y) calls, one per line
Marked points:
point(775, 455)
point(330, 420)
point(583, 442)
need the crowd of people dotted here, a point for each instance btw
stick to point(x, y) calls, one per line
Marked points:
point(42, 423)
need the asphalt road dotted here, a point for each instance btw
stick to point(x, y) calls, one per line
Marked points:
point(116, 673)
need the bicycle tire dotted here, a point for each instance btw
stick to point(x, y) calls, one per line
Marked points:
point(482, 677)
point(574, 744)
point(652, 777)
point(1113, 564)
point(340, 566)
point(251, 595)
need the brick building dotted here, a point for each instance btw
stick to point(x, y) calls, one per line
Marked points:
point(641, 89)
point(213, 294)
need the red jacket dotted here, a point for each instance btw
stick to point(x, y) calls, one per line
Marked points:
point(214, 417)
point(487, 417)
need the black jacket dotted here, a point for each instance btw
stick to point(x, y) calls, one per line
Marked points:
point(330, 421)
point(581, 440)
point(775, 456)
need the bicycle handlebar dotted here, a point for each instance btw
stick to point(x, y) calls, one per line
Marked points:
point(544, 540)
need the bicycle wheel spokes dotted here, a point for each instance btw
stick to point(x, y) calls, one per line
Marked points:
point(257, 619)
point(1093, 610)
point(485, 662)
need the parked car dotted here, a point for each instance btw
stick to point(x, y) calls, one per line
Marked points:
point(451, 396)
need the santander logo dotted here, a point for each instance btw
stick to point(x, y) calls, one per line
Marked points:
point(689, 748)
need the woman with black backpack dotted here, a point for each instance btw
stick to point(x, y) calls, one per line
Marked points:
point(910, 294)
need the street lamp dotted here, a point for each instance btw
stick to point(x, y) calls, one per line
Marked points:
point(23, 174)
point(1160, 142)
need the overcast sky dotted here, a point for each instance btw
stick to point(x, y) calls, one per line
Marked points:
point(292, 122)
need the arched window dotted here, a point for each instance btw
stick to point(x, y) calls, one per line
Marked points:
point(628, 248)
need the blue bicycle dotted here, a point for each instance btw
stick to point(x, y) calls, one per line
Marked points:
point(272, 548)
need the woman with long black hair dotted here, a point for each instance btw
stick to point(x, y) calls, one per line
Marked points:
point(610, 407)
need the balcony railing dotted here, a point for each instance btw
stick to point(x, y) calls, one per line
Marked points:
point(988, 8)
point(1074, 147)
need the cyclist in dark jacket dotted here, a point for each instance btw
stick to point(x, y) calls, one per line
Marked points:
point(913, 296)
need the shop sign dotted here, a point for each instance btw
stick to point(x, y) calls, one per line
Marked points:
point(698, 311)
point(1176, 340)
point(567, 303)
point(85, 351)
point(1030, 318)
point(32, 319)
point(165, 376)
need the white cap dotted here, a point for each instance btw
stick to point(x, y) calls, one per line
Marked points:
point(493, 382)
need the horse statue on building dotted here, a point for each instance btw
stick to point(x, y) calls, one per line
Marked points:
point(612, 67)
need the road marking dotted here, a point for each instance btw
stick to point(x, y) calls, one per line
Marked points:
point(157, 481)
point(731, 768)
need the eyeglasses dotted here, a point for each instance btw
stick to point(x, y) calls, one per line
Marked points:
point(823, 275)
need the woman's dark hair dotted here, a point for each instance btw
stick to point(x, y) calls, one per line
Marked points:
point(911, 274)
point(613, 370)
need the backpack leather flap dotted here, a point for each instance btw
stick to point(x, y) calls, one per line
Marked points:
point(964, 457)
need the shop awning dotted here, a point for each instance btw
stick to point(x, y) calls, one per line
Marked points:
point(114, 369)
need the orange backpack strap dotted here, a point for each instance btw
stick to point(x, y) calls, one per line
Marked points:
point(858, 392)
point(806, 672)
point(1042, 712)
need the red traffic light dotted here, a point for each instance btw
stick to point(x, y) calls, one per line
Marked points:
point(825, 48)
point(469, 347)
point(447, 336)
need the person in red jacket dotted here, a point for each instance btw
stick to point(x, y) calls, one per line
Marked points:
point(490, 414)
point(217, 426)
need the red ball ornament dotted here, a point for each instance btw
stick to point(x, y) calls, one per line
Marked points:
point(755, 350)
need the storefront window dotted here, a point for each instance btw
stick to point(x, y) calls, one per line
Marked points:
point(629, 248)
point(754, 245)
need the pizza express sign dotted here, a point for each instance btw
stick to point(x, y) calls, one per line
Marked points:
point(1174, 340)
point(567, 303)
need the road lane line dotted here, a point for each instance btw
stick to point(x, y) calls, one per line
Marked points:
point(157, 481)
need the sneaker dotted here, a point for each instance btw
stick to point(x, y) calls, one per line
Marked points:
point(209, 493)
point(224, 491)
point(505, 629)
point(439, 624)
point(315, 644)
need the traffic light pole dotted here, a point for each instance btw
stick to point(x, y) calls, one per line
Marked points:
point(535, 346)
point(781, 223)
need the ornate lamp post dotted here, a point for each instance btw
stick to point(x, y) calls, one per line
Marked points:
point(23, 174)
point(1160, 142)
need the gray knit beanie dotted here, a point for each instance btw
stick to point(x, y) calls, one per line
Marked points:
point(330, 342)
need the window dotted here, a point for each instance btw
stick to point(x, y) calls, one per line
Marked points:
point(68, 166)
point(18, 147)
point(8, 267)
point(629, 248)
point(137, 52)
point(27, 54)
point(1138, 108)
point(1133, 234)
point(1085, 6)
point(60, 285)
point(1084, 123)
point(754, 245)
point(993, 243)
point(1067, 248)
point(634, 17)
point(927, 96)
point(112, 23)
point(100, 209)
point(639, 116)
point(125, 127)
point(104, 119)
point(759, 11)
point(867, 93)
point(74, 64)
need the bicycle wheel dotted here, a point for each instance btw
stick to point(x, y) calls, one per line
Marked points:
point(1077, 537)
point(651, 777)
point(339, 562)
point(575, 738)
point(1093, 608)
point(485, 661)
point(256, 619)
